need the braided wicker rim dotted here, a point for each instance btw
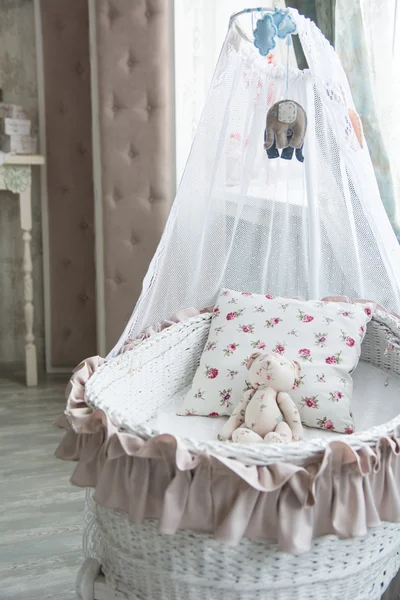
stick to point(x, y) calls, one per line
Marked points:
point(258, 454)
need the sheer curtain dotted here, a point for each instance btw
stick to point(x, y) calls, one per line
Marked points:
point(200, 29)
point(367, 41)
point(284, 227)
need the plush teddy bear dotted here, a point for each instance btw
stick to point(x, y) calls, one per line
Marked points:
point(266, 412)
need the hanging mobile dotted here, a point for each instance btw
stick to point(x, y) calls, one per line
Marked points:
point(286, 120)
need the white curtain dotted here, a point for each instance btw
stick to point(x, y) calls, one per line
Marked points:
point(367, 41)
point(200, 30)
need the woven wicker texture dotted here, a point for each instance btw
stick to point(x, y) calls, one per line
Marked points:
point(141, 564)
point(145, 378)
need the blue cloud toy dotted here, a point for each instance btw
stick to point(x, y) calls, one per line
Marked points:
point(264, 35)
point(280, 24)
point(283, 22)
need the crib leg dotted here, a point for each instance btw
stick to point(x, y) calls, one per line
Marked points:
point(85, 579)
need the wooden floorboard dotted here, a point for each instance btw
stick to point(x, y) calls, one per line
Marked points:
point(40, 512)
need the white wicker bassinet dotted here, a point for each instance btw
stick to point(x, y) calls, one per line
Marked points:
point(141, 564)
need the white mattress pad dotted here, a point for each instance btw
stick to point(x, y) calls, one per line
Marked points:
point(376, 400)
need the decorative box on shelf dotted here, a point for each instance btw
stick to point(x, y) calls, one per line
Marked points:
point(13, 112)
point(18, 144)
point(17, 126)
point(15, 130)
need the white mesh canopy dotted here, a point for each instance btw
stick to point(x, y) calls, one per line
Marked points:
point(247, 222)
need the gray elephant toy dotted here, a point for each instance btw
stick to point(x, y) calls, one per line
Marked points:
point(286, 128)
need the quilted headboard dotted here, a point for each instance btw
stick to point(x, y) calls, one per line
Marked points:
point(134, 65)
point(108, 68)
point(66, 66)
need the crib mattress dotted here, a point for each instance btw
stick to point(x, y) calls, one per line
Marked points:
point(376, 400)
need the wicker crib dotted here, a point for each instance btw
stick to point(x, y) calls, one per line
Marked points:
point(148, 546)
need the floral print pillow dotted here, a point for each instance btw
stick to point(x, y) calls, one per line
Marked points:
point(324, 337)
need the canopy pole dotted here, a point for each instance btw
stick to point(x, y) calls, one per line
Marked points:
point(247, 11)
point(252, 10)
point(311, 181)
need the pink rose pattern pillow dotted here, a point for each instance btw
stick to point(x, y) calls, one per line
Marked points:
point(324, 337)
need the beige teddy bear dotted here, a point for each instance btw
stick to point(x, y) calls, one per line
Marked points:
point(266, 411)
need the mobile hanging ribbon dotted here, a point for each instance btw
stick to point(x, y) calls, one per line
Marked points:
point(286, 120)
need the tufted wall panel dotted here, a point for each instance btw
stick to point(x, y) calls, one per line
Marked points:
point(134, 63)
point(65, 31)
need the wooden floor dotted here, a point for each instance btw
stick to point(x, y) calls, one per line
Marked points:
point(40, 512)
